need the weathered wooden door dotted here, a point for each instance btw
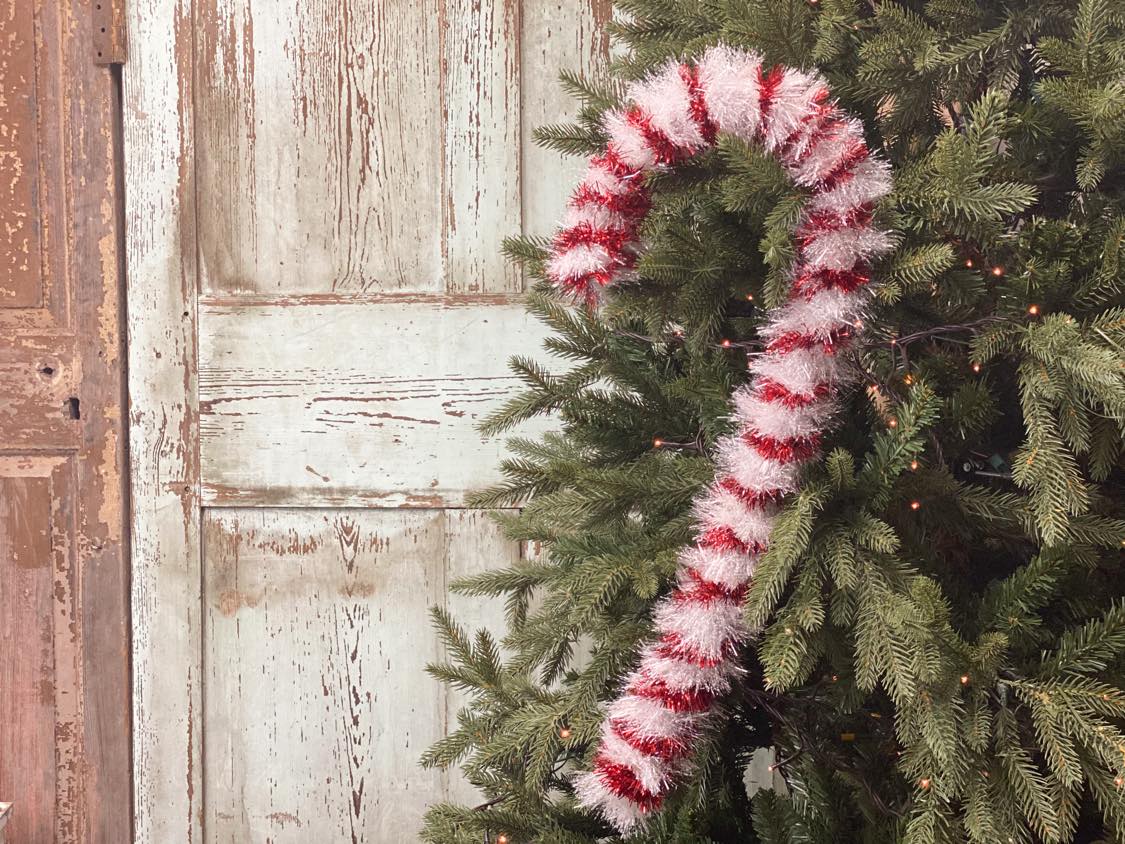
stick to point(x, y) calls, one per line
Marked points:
point(318, 312)
point(64, 671)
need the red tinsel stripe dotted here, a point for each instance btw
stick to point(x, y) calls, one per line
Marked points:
point(722, 539)
point(753, 498)
point(811, 282)
point(614, 239)
point(783, 449)
point(824, 116)
point(677, 700)
point(661, 146)
point(658, 746)
point(624, 783)
point(707, 128)
point(705, 591)
point(582, 283)
point(671, 646)
point(772, 391)
point(767, 90)
point(612, 161)
point(793, 340)
point(820, 222)
point(841, 171)
point(633, 203)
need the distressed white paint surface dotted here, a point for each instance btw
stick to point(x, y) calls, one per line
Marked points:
point(317, 704)
point(354, 402)
point(354, 167)
point(163, 423)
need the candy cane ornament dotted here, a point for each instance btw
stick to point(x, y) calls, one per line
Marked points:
point(781, 413)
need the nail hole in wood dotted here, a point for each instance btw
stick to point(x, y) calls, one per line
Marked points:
point(48, 370)
point(73, 409)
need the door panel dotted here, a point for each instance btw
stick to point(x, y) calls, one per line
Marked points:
point(319, 313)
point(64, 647)
point(317, 702)
point(365, 402)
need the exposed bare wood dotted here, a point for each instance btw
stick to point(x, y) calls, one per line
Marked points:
point(20, 270)
point(166, 601)
point(367, 404)
point(65, 746)
point(27, 682)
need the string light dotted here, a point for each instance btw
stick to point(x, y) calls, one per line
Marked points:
point(964, 679)
point(657, 442)
point(976, 367)
point(501, 839)
point(998, 271)
point(564, 733)
point(1033, 310)
point(892, 423)
point(908, 378)
point(1118, 781)
point(913, 465)
point(749, 297)
point(726, 344)
point(969, 263)
point(915, 505)
point(924, 782)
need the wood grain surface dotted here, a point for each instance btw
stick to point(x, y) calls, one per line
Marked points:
point(64, 671)
point(318, 314)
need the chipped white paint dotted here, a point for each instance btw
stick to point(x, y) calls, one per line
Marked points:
point(350, 169)
point(316, 641)
point(354, 403)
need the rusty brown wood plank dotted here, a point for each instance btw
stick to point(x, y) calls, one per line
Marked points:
point(39, 376)
point(160, 216)
point(21, 283)
point(99, 615)
point(61, 426)
point(27, 677)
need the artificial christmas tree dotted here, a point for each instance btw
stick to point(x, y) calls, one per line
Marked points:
point(939, 619)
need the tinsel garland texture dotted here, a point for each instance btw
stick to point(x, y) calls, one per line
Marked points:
point(781, 413)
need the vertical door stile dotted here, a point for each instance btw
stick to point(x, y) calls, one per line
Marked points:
point(161, 273)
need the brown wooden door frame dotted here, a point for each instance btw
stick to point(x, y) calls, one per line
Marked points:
point(64, 564)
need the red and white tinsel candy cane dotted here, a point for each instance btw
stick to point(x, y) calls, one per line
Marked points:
point(648, 734)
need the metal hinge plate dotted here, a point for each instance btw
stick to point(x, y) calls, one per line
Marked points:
point(109, 31)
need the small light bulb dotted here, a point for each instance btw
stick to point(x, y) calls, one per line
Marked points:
point(915, 505)
point(964, 679)
point(773, 767)
point(969, 263)
point(998, 271)
point(1118, 781)
point(913, 465)
point(908, 378)
point(976, 367)
point(564, 733)
point(501, 839)
point(726, 344)
point(893, 423)
point(835, 677)
point(924, 782)
point(1033, 310)
point(657, 443)
point(858, 323)
point(749, 297)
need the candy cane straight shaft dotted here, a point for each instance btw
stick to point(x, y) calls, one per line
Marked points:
point(781, 413)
